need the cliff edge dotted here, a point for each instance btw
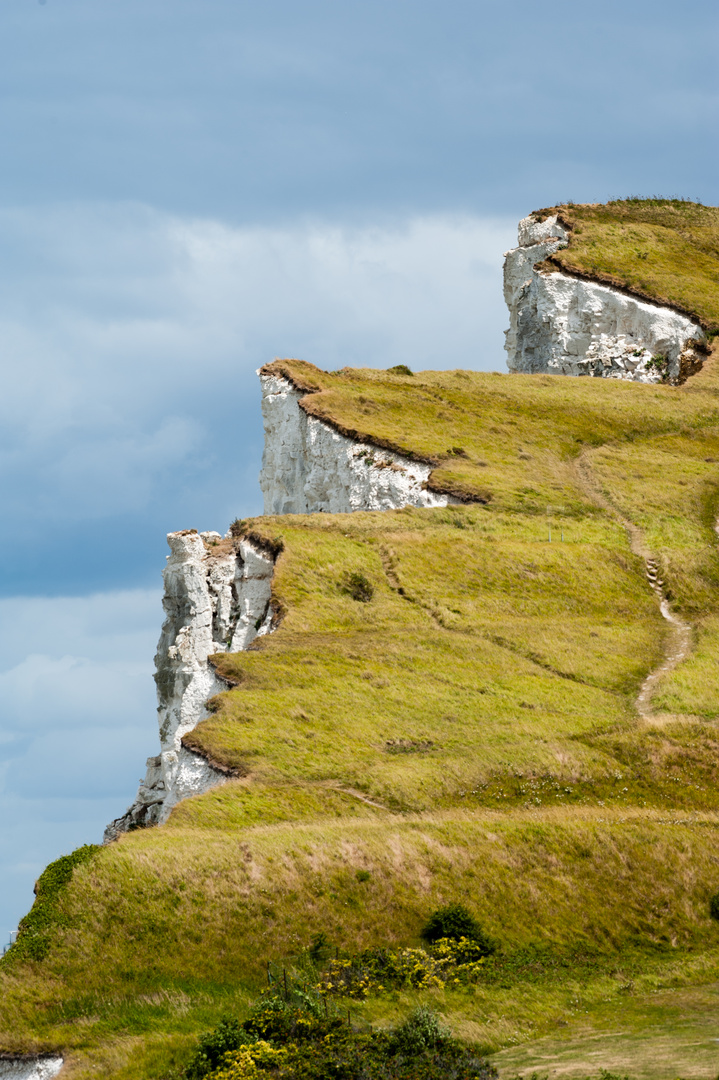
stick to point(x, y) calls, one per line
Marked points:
point(217, 599)
point(567, 319)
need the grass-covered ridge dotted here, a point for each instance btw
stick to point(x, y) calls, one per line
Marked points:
point(460, 728)
point(665, 250)
point(496, 438)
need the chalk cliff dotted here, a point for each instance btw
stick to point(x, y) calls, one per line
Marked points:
point(308, 466)
point(29, 1068)
point(567, 325)
point(217, 599)
point(218, 591)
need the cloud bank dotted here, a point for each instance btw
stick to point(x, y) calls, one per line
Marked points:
point(77, 720)
point(131, 339)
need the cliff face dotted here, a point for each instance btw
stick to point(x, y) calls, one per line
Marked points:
point(217, 599)
point(567, 325)
point(308, 466)
point(217, 592)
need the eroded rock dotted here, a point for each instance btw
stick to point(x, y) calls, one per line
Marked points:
point(308, 466)
point(565, 325)
point(217, 599)
point(30, 1068)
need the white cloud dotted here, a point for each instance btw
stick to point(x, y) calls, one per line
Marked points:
point(77, 720)
point(131, 337)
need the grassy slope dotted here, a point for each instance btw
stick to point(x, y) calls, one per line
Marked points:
point(541, 801)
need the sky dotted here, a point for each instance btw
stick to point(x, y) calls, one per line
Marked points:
point(190, 188)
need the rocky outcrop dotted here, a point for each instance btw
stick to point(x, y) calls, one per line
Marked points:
point(29, 1068)
point(217, 599)
point(566, 325)
point(308, 466)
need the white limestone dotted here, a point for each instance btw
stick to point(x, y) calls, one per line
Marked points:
point(30, 1068)
point(308, 466)
point(568, 326)
point(214, 602)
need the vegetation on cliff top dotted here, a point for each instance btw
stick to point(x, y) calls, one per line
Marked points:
point(665, 250)
point(460, 729)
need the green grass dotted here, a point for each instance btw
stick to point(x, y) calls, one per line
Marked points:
point(520, 434)
point(659, 1035)
point(169, 929)
point(665, 249)
point(466, 606)
point(466, 734)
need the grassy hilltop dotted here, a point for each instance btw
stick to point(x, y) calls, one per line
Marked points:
point(447, 712)
point(665, 250)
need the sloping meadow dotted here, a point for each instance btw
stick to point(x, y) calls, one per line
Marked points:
point(446, 712)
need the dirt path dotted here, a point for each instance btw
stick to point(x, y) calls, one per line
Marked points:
point(678, 641)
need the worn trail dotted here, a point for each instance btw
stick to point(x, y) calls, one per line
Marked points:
point(678, 641)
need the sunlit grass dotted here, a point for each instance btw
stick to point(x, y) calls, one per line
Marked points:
point(665, 248)
point(468, 733)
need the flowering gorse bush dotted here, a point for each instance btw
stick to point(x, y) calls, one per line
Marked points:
point(248, 1062)
point(280, 1041)
point(445, 964)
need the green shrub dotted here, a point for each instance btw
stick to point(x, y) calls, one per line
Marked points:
point(714, 907)
point(399, 369)
point(358, 587)
point(319, 948)
point(210, 1054)
point(454, 921)
point(447, 963)
point(421, 1031)
point(35, 929)
point(288, 1043)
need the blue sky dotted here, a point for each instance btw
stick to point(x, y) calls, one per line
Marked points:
point(192, 187)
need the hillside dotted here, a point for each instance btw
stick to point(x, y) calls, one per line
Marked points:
point(450, 709)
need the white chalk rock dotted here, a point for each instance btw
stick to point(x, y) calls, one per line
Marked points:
point(308, 466)
point(29, 1068)
point(214, 602)
point(568, 326)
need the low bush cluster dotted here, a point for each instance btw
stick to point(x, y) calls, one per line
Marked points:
point(358, 587)
point(455, 921)
point(447, 963)
point(282, 1041)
